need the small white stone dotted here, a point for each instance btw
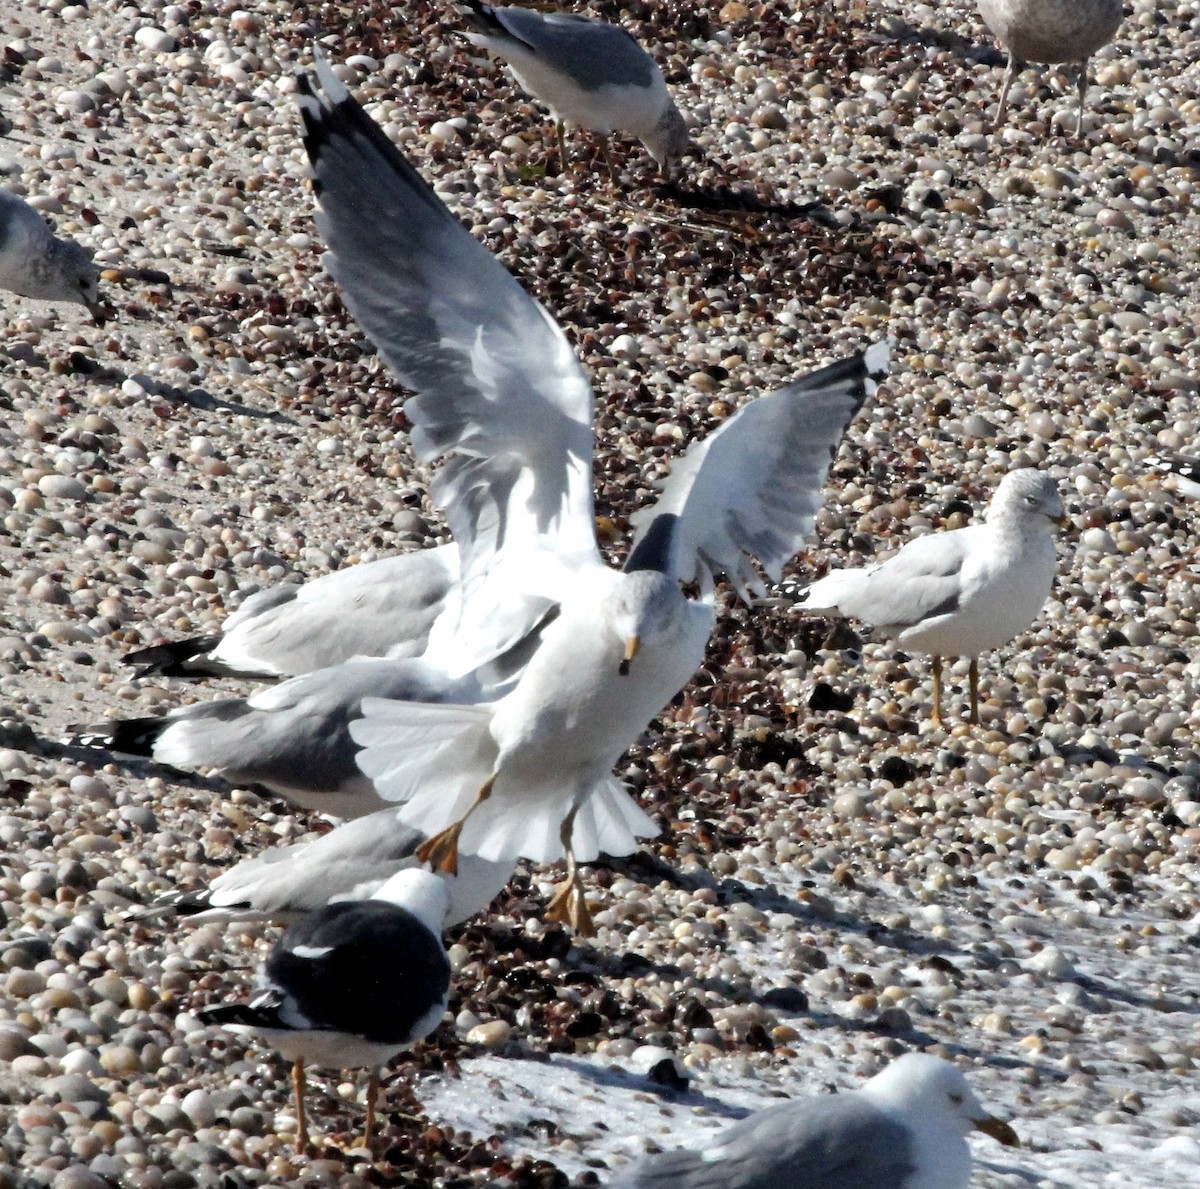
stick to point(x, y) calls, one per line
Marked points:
point(62, 487)
point(156, 40)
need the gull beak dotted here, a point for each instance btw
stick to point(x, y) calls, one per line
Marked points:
point(98, 311)
point(1000, 1131)
point(1061, 519)
point(632, 645)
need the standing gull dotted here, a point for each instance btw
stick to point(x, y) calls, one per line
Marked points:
point(34, 262)
point(1050, 31)
point(504, 405)
point(379, 608)
point(904, 1129)
point(961, 592)
point(351, 862)
point(586, 71)
point(351, 985)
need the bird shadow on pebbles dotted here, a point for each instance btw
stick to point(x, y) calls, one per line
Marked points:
point(649, 869)
point(135, 766)
point(732, 201)
point(615, 1077)
point(197, 398)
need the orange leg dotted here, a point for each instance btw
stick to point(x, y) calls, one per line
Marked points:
point(441, 851)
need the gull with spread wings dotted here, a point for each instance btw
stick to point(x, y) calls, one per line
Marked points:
point(504, 408)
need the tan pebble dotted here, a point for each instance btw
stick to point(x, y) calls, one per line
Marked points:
point(734, 11)
point(30, 1065)
point(120, 1060)
point(61, 999)
point(141, 997)
point(152, 552)
point(36, 1115)
point(107, 1131)
point(22, 984)
point(491, 1034)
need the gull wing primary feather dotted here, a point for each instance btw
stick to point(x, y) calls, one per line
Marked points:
point(750, 491)
point(351, 862)
point(1182, 470)
point(501, 399)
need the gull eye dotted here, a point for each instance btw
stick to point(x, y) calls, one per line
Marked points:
point(957, 1099)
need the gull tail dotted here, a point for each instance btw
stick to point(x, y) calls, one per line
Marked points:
point(261, 1012)
point(129, 736)
point(608, 821)
point(826, 593)
point(433, 759)
point(180, 658)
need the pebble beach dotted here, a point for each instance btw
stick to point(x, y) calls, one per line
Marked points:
point(837, 881)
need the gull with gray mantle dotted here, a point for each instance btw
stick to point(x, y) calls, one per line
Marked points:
point(294, 737)
point(586, 71)
point(34, 262)
point(1050, 31)
point(505, 410)
point(379, 608)
point(962, 592)
point(905, 1129)
point(351, 862)
point(351, 985)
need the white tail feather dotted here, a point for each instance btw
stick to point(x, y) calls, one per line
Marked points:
point(610, 821)
point(432, 758)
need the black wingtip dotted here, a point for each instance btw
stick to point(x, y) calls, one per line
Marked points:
point(330, 113)
point(171, 659)
point(482, 17)
point(653, 551)
point(172, 904)
point(245, 1014)
point(130, 736)
point(861, 372)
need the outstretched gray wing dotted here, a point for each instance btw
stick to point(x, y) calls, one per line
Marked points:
point(749, 492)
point(500, 398)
